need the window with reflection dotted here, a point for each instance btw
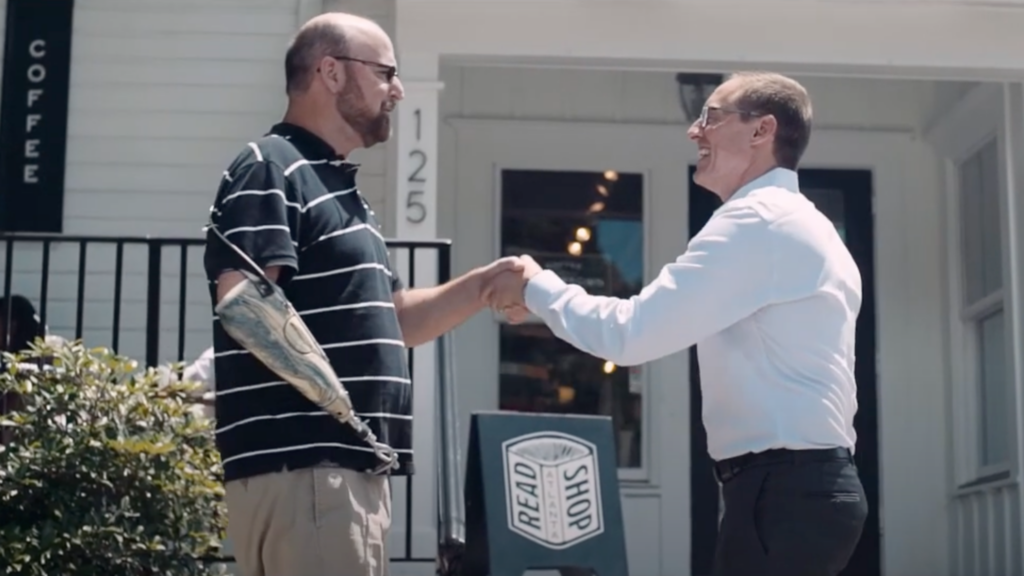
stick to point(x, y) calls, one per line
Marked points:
point(831, 203)
point(588, 228)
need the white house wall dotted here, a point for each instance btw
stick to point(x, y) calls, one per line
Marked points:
point(909, 264)
point(162, 96)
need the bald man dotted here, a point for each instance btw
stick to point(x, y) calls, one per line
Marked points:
point(306, 495)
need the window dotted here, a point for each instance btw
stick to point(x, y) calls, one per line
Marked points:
point(982, 304)
point(831, 203)
point(587, 227)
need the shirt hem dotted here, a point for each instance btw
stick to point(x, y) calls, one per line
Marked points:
point(260, 465)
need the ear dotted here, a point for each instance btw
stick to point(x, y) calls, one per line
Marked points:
point(764, 130)
point(332, 73)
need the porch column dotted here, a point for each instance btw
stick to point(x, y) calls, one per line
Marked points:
point(1013, 100)
point(416, 219)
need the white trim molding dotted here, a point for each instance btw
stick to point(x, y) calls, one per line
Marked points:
point(908, 39)
point(483, 148)
point(975, 121)
point(499, 144)
point(1014, 111)
point(958, 132)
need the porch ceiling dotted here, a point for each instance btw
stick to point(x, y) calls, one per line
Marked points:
point(925, 40)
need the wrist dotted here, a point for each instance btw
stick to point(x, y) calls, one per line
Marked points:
point(475, 284)
point(526, 285)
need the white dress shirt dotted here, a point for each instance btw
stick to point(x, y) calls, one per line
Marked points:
point(201, 371)
point(770, 294)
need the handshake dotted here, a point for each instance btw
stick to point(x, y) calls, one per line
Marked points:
point(503, 285)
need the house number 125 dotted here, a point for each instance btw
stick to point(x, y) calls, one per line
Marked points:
point(415, 209)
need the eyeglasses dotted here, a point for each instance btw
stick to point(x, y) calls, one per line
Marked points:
point(390, 72)
point(703, 120)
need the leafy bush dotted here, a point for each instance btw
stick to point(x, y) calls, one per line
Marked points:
point(108, 470)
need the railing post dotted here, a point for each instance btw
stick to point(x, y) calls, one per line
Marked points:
point(80, 295)
point(451, 504)
point(8, 278)
point(182, 298)
point(153, 304)
point(44, 283)
point(115, 337)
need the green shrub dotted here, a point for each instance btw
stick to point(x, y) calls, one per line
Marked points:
point(109, 470)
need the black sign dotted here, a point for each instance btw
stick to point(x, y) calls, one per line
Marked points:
point(542, 493)
point(34, 114)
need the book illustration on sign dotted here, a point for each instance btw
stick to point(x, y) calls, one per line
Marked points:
point(552, 489)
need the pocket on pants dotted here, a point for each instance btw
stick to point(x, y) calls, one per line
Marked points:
point(757, 521)
point(332, 498)
point(839, 489)
point(349, 529)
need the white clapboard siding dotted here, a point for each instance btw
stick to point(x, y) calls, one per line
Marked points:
point(162, 97)
point(987, 532)
point(374, 182)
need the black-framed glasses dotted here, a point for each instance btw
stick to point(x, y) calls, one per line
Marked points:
point(703, 120)
point(390, 72)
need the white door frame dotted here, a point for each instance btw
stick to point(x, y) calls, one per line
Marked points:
point(483, 149)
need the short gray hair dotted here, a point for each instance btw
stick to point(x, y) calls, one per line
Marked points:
point(768, 93)
point(308, 47)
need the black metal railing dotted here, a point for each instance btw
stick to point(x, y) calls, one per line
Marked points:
point(130, 277)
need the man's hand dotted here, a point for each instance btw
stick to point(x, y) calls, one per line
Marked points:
point(426, 313)
point(503, 289)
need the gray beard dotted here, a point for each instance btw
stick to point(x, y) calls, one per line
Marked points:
point(372, 128)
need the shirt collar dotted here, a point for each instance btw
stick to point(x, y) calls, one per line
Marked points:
point(310, 145)
point(776, 177)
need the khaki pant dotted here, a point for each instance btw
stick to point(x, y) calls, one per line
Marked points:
point(323, 521)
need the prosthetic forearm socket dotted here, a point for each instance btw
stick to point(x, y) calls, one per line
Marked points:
point(268, 326)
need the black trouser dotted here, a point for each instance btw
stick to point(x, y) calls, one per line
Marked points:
point(789, 512)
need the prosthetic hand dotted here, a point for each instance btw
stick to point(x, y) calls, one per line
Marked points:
point(258, 316)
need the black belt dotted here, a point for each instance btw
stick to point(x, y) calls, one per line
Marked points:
point(727, 469)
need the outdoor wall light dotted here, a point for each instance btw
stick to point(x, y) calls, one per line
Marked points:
point(694, 90)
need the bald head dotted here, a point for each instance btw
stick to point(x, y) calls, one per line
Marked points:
point(330, 34)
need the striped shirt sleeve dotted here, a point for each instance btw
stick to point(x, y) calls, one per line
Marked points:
point(258, 211)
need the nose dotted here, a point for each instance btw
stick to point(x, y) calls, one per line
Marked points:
point(694, 131)
point(397, 90)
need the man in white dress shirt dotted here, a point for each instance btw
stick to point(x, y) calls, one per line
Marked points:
point(771, 295)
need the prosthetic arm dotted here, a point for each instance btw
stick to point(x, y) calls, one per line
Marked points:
point(258, 316)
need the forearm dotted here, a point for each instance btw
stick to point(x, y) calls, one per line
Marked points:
point(258, 322)
point(426, 313)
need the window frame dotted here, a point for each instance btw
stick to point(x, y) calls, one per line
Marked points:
point(641, 474)
point(972, 123)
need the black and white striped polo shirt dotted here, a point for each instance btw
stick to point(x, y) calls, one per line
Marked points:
point(288, 200)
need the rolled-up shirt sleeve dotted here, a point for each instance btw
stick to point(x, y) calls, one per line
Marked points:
point(725, 275)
